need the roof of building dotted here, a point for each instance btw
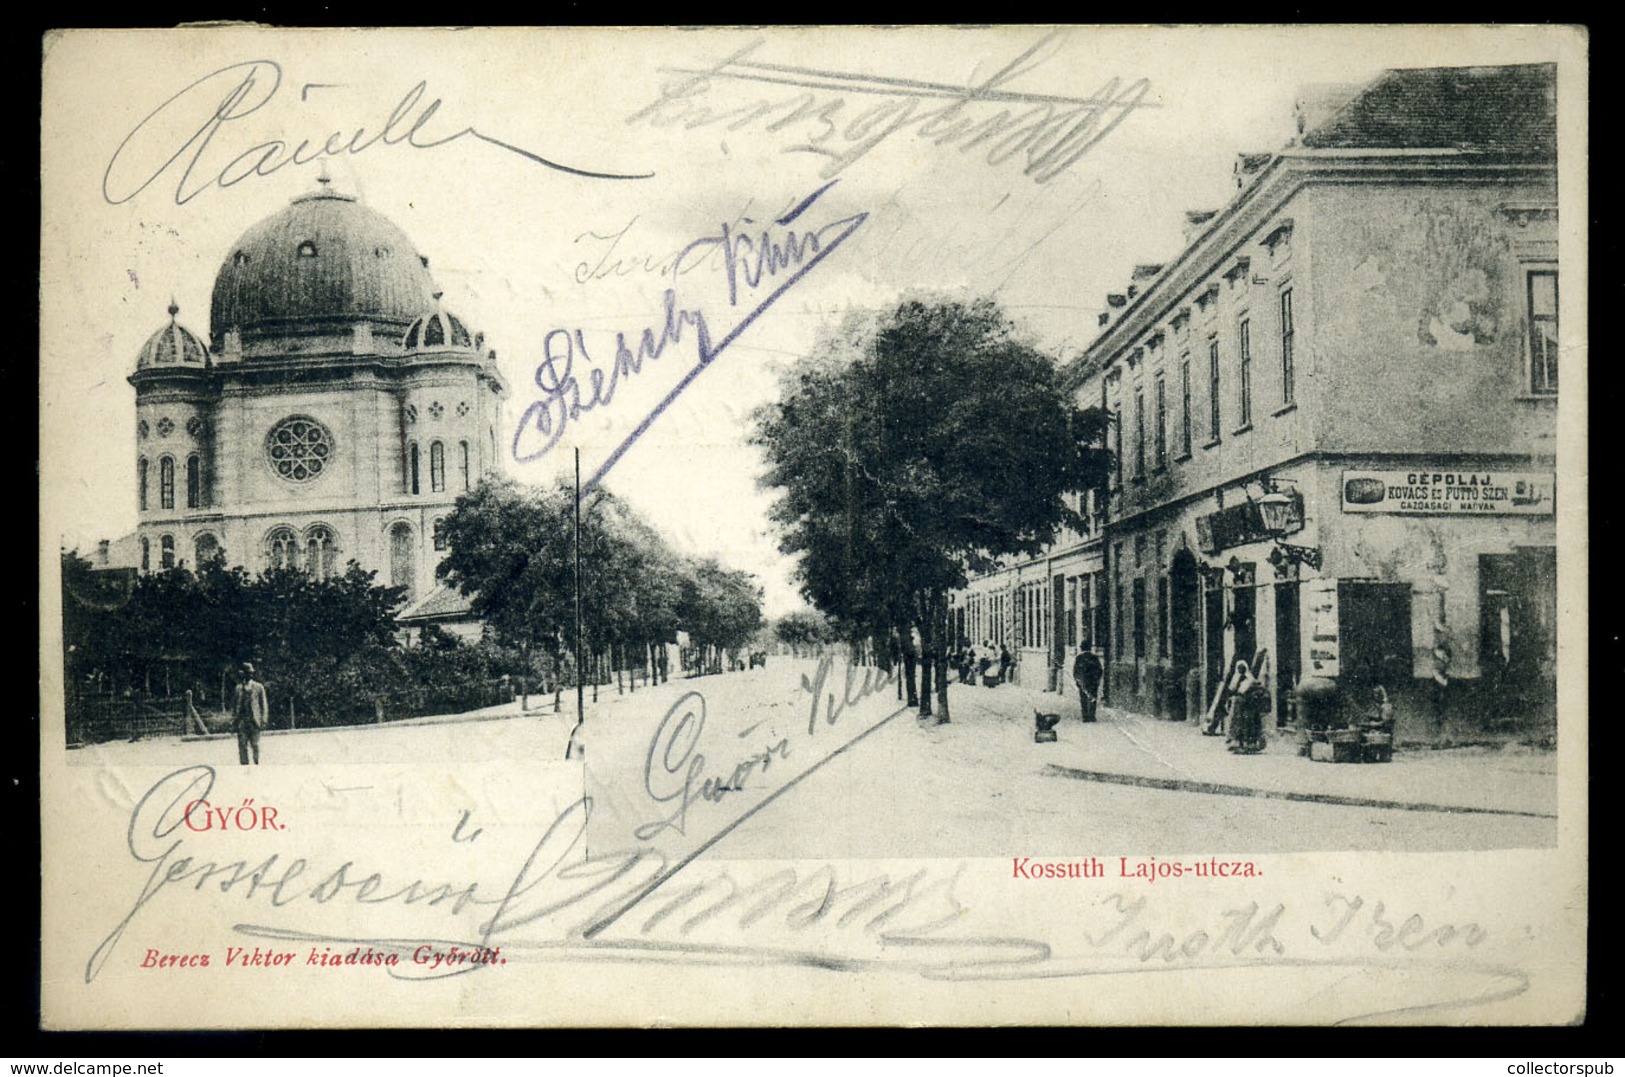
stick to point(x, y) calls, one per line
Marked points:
point(324, 260)
point(444, 603)
point(173, 345)
point(1510, 110)
point(437, 328)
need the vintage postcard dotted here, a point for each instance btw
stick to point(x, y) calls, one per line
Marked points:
point(1027, 525)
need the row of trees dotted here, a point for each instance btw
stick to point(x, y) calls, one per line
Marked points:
point(327, 646)
point(911, 449)
point(512, 553)
point(330, 647)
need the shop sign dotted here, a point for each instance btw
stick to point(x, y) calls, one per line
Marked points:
point(1442, 492)
point(1320, 640)
point(1237, 525)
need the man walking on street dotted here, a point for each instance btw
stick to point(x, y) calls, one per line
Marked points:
point(1087, 673)
point(250, 710)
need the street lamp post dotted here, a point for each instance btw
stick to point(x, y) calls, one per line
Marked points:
point(1279, 510)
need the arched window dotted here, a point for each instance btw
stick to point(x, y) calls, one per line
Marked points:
point(412, 468)
point(204, 547)
point(307, 249)
point(437, 466)
point(141, 483)
point(400, 557)
point(321, 551)
point(194, 482)
point(439, 536)
point(282, 548)
point(433, 332)
point(166, 551)
point(464, 447)
point(166, 482)
point(146, 554)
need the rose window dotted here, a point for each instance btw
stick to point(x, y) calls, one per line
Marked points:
point(462, 408)
point(166, 426)
point(436, 410)
point(298, 448)
point(141, 429)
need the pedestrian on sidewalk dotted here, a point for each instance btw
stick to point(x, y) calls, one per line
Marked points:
point(1087, 673)
point(251, 710)
point(1006, 662)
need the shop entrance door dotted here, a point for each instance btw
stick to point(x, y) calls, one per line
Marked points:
point(1213, 637)
point(1517, 611)
point(1184, 589)
point(1287, 657)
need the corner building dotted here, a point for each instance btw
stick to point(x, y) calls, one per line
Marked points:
point(336, 413)
point(1369, 332)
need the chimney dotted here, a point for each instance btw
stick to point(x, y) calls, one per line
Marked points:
point(103, 552)
point(1195, 221)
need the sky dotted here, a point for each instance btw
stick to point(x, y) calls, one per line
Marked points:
point(554, 177)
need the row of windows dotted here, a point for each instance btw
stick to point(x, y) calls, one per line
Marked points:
point(204, 547)
point(197, 488)
point(437, 467)
point(1541, 310)
point(1031, 624)
point(1184, 419)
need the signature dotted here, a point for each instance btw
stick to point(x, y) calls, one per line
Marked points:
point(675, 770)
point(755, 259)
point(201, 109)
point(605, 257)
point(1049, 133)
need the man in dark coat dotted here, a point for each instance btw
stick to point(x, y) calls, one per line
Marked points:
point(1087, 673)
point(250, 711)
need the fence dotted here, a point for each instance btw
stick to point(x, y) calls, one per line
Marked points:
point(92, 720)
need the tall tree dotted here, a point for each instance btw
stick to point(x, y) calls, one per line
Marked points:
point(914, 448)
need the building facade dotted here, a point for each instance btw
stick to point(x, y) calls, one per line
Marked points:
point(1334, 415)
point(335, 414)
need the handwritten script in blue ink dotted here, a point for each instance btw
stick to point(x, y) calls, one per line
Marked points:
point(751, 261)
point(228, 95)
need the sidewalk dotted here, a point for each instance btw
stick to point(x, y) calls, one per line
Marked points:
point(1128, 748)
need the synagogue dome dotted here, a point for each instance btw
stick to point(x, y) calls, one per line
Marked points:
point(323, 263)
point(173, 345)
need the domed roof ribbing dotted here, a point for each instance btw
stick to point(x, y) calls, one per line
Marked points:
point(325, 259)
point(173, 345)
